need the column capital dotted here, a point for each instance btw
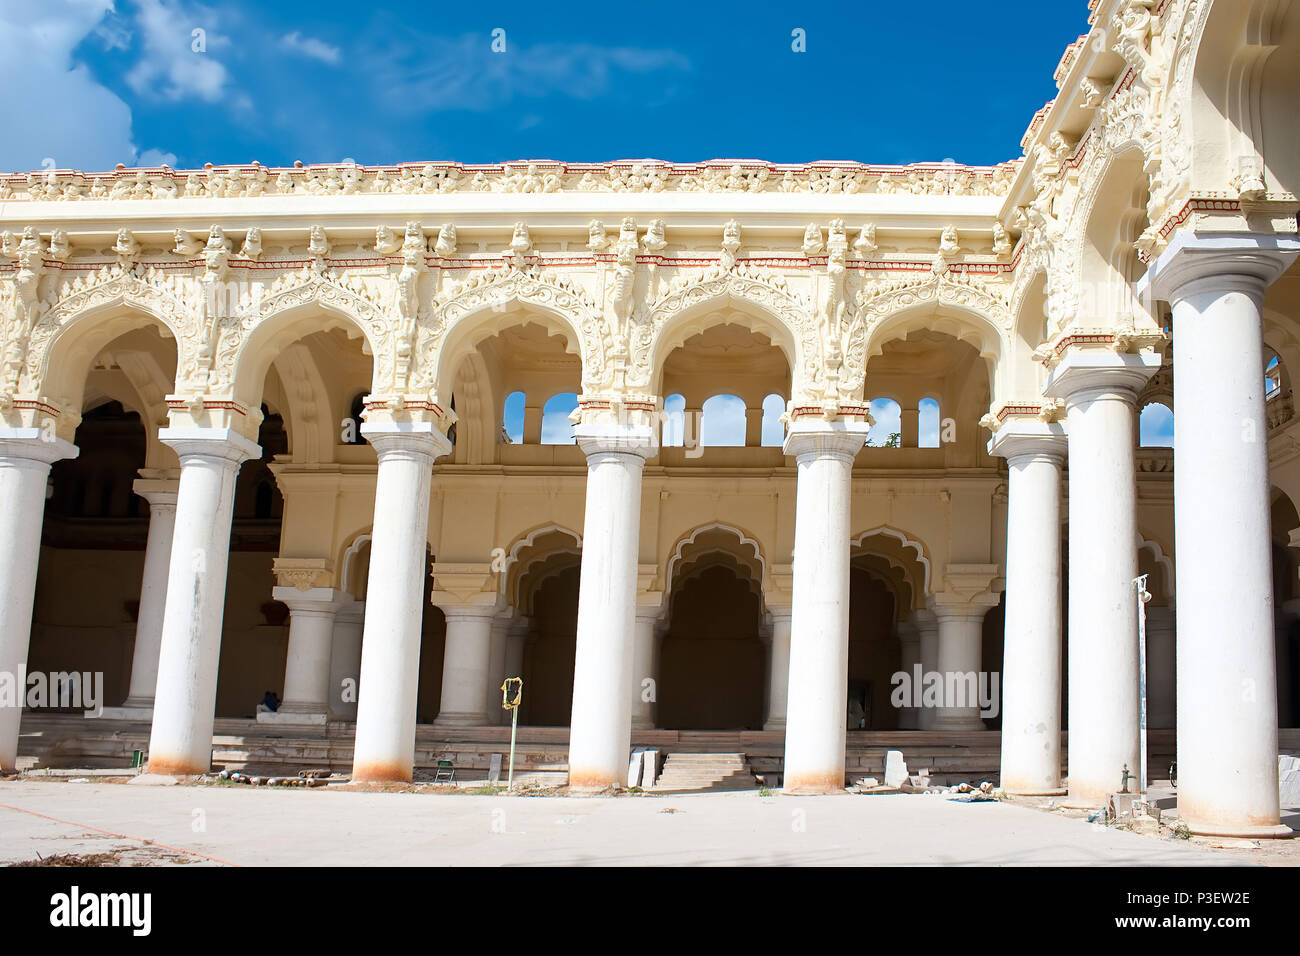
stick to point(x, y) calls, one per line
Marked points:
point(925, 620)
point(35, 445)
point(407, 439)
point(1030, 439)
point(826, 439)
point(219, 444)
point(780, 612)
point(464, 585)
point(302, 574)
point(1241, 262)
point(487, 610)
point(616, 439)
point(1084, 374)
point(319, 600)
point(948, 607)
point(159, 488)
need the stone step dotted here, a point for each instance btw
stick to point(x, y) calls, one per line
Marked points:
point(705, 771)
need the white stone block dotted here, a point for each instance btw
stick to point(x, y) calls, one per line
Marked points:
point(494, 769)
point(634, 769)
point(649, 768)
point(1289, 790)
point(895, 768)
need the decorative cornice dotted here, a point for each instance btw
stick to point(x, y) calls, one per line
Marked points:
point(252, 181)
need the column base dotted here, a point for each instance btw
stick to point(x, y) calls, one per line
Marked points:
point(1279, 831)
point(462, 720)
point(813, 785)
point(957, 723)
point(776, 724)
point(590, 783)
point(1036, 791)
point(381, 773)
point(126, 712)
point(303, 718)
point(167, 767)
point(642, 723)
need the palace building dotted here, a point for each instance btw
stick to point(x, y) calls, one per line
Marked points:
point(715, 448)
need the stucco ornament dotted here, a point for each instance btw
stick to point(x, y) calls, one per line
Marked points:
point(493, 290)
point(730, 284)
point(622, 293)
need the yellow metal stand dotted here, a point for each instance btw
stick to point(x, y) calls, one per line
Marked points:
point(509, 685)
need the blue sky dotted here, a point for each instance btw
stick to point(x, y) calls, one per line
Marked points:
point(90, 83)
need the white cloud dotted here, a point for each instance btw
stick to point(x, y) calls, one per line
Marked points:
point(53, 108)
point(888, 418)
point(311, 48)
point(427, 72)
point(723, 421)
point(556, 427)
point(156, 157)
point(171, 67)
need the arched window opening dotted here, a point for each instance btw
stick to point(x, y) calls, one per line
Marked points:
point(928, 424)
point(674, 430)
point(512, 419)
point(887, 432)
point(1272, 379)
point(556, 427)
point(1156, 426)
point(263, 499)
point(722, 422)
point(773, 429)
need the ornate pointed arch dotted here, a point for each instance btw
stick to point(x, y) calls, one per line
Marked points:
point(242, 355)
point(496, 290)
point(106, 304)
point(961, 308)
point(786, 318)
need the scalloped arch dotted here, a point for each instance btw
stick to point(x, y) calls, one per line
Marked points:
point(248, 343)
point(690, 537)
point(468, 310)
point(903, 539)
point(780, 315)
point(86, 309)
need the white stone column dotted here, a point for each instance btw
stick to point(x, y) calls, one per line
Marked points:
point(909, 640)
point(465, 663)
point(25, 459)
point(927, 626)
point(600, 732)
point(307, 690)
point(161, 495)
point(778, 670)
point(185, 698)
point(1099, 387)
point(1161, 668)
point(496, 669)
point(961, 637)
point(1031, 657)
point(819, 625)
point(1227, 678)
point(345, 660)
point(390, 655)
point(516, 640)
point(645, 665)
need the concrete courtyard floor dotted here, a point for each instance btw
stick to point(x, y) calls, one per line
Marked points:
point(116, 824)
